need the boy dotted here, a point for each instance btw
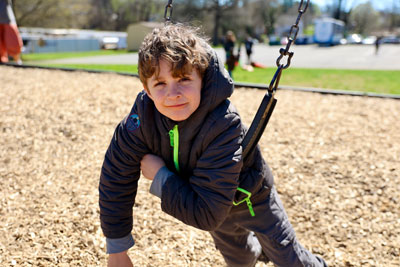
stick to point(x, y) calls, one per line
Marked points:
point(185, 135)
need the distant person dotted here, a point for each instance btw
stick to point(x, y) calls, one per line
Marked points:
point(10, 39)
point(378, 42)
point(248, 44)
point(229, 46)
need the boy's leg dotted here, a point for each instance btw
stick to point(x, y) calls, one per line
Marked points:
point(238, 246)
point(277, 237)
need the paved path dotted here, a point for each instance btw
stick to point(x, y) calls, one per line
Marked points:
point(305, 56)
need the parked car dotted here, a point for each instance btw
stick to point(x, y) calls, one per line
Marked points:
point(343, 41)
point(354, 39)
point(390, 40)
point(274, 40)
point(303, 40)
point(369, 40)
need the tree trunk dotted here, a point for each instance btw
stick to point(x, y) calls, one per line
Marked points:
point(338, 10)
point(217, 21)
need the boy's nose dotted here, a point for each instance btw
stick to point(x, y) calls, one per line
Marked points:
point(174, 91)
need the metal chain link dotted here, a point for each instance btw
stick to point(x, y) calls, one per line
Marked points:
point(294, 30)
point(170, 8)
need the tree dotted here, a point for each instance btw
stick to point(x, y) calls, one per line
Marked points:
point(338, 11)
point(188, 11)
point(219, 7)
point(395, 15)
point(118, 14)
point(265, 15)
point(364, 19)
point(51, 13)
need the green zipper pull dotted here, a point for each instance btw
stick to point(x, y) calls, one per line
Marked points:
point(250, 206)
point(247, 199)
point(174, 141)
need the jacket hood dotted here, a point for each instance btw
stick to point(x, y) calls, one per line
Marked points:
point(217, 84)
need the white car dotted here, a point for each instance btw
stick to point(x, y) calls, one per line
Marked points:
point(354, 39)
point(369, 40)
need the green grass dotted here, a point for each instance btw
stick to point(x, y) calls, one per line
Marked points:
point(60, 55)
point(375, 81)
point(101, 67)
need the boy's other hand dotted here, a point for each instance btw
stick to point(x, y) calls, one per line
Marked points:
point(150, 165)
point(119, 260)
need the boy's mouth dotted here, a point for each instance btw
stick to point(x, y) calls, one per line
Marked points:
point(176, 106)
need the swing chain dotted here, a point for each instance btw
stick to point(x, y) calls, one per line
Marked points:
point(268, 103)
point(292, 37)
point(168, 7)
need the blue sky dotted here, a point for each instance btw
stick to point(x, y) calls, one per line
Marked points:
point(378, 4)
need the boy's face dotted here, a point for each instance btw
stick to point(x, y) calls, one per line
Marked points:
point(174, 97)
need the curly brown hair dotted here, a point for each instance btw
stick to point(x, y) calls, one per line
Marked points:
point(181, 45)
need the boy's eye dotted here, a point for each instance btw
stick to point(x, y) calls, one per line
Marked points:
point(159, 84)
point(184, 79)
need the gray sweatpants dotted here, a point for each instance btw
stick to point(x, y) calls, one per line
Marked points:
point(242, 238)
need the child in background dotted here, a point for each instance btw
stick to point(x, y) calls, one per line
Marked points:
point(230, 58)
point(185, 135)
point(248, 44)
point(10, 39)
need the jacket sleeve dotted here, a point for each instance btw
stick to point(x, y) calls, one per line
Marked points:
point(119, 178)
point(205, 199)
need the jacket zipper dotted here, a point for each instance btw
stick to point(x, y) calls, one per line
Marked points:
point(174, 141)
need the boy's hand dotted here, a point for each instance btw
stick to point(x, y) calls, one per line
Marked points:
point(150, 165)
point(119, 260)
